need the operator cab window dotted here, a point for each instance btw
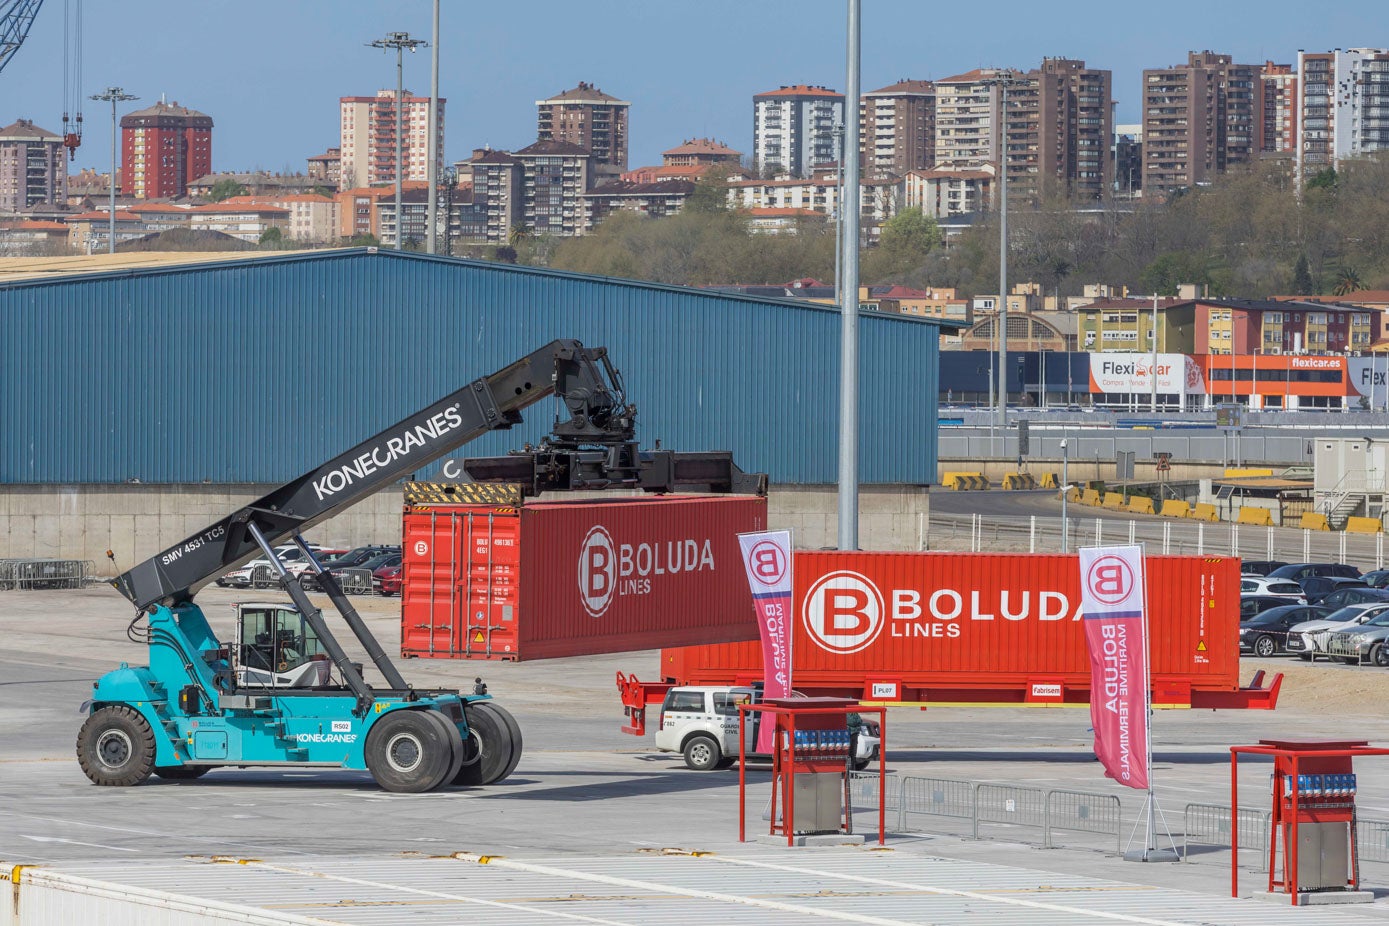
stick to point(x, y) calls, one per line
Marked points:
point(276, 644)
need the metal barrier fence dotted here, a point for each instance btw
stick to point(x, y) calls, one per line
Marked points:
point(1372, 840)
point(937, 797)
point(1209, 825)
point(1082, 811)
point(43, 573)
point(1009, 805)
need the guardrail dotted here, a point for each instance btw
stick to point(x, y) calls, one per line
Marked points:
point(1086, 812)
point(43, 573)
point(1209, 825)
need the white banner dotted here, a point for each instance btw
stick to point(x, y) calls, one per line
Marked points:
point(1177, 374)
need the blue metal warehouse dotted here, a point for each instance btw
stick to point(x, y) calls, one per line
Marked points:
point(253, 371)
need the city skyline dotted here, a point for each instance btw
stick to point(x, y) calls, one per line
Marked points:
point(275, 103)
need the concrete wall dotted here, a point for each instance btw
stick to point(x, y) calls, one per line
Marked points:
point(137, 521)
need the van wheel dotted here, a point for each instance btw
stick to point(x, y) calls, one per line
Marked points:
point(702, 754)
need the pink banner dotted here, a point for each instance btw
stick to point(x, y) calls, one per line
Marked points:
point(767, 558)
point(1112, 588)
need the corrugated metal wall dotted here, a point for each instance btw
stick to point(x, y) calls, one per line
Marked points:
point(257, 371)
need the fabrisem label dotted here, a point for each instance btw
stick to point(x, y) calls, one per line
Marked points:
point(1046, 691)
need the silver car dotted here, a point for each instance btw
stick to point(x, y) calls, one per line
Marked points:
point(1308, 640)
point(1367, 643)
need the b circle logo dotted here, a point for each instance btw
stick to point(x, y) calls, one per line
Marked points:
point(843, 612)
point(1110, 580)
point(597, 571)
point(421, 548)
point(765, 563)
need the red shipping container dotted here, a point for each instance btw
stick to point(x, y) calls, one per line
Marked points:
point(980, 628)
point(573, 578)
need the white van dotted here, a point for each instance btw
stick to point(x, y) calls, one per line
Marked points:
point(701, 723)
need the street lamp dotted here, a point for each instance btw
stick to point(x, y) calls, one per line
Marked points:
point(1065, 491)
point(1003, 80)
point(113, 95)
point(399, 41)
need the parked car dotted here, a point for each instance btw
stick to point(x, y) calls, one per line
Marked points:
point(1347, 596)
point(387, 579)
point(1260, 567)
point(258, 572)
point(1250, 605)
point(1297, 571)
point(365, 558)
point(1377, 578)
point(1283, 588)
point(1308, 640)
point(1367, 643)
point(1318, 587)
point(1266, 633)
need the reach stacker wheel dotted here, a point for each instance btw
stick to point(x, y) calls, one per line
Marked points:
point(496, 742)
point(115, 747)
point(408, 752)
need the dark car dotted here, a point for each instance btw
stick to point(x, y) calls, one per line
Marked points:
point(1266, 633)
point(1250, 605)
point(359, 555)
point(1260, 567)
point(1344, 596)
point(1315, 588)
point(361, 562)
point(1377, 578)
point(1297, 571)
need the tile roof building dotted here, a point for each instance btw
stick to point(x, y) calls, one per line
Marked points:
point(701, 152)
point(591, 119)
point(164, 147)
point(33, 167)
point(793, 129)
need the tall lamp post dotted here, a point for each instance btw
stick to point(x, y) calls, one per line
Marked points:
point(1003, 80)
point(399, 41)
point(849, 215)
point(1065, 491)
point(113, 95)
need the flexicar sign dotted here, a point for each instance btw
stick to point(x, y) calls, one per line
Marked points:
point(1122, 373)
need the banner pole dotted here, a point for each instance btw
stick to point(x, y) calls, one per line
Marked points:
point(1150, 845)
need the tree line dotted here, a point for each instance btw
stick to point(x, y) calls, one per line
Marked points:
point(1252, 233)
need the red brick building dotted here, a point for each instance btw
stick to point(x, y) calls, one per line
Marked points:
point(163, 149)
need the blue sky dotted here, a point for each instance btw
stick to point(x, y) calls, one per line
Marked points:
point(270, 73)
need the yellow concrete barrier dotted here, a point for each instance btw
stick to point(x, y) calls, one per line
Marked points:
point(1114, 500)
point(1092, 497)
point(1246, 472)
point(1013, 481)
point(1364, 526)
point(1049, 481)
point(1141, 504)
point(961, 482)
point(1204, 511)
point(1312, 521)
point(1176, 508)
point(1073, 494)
point(1260, 517)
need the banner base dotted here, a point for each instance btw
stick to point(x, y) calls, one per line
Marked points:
point(1152, 855)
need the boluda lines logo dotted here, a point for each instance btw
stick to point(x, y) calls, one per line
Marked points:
point(611, 569)
point(844, 612)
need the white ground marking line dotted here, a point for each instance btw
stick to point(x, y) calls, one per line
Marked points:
point(442, 895)
point(74, 842)
point(659, 887)
point(951, 892)
point(135, 832)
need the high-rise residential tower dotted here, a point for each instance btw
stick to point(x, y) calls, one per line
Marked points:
point(793, 129)
point(164, 148)
point(33, 167)
point(587, 117)
point(898, 125)
point(367, 148)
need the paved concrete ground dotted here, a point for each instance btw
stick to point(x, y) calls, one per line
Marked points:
point(583, 788)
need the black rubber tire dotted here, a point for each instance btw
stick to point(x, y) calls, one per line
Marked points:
point(115, 747)
point(514, 729)
point(450, 731)
point(408, 753)
point(1265, 647)
point(181, 772)
point(1305, 657)
point(727, 762)
point(492, 736)
point(702, 753)
point(1380, 656)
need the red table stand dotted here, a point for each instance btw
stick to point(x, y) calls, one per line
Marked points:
point(811, 769)
point(1313, 818)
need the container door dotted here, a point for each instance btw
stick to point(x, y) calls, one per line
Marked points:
point(488, 583)
point(428, 588)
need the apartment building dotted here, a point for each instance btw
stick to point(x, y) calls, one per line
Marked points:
point(1247, 326)
point(942, 192)
point(1126, 324)
point(898, 128)
point(1277, 111)
point(880, 198)
point(1343, 106)
point(591, 119)
point(33, 167)
point(1060, 128)
point(313, 219)
point(367, 146)
point(700, 152)
point(164, 147)
point(554, 178)
point(1198, 121)
point(793, 129)
point(661, 198)
point(967, 116)
point(495, 206)
point(326, 168)
point(244, 221)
